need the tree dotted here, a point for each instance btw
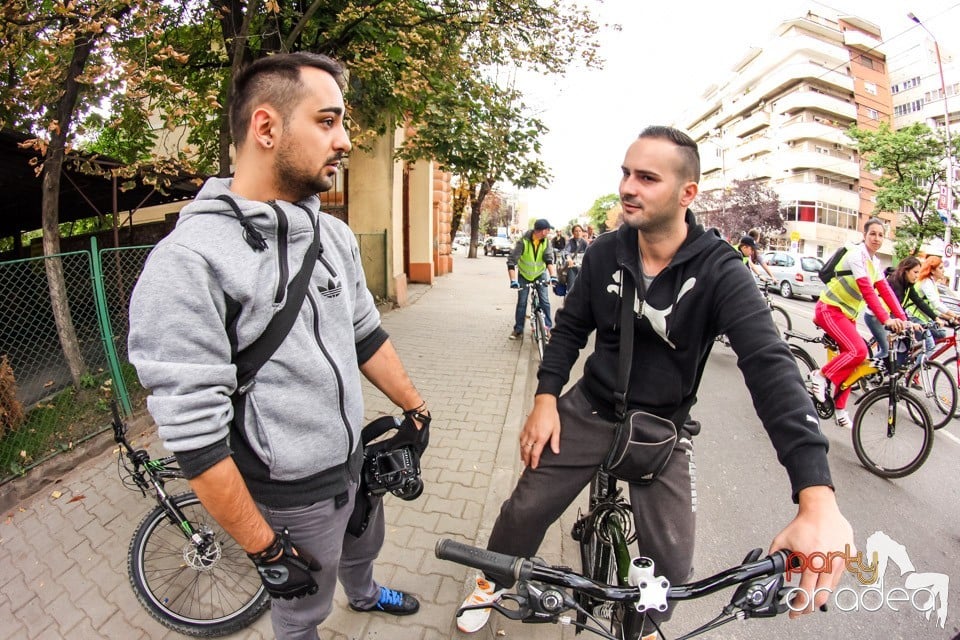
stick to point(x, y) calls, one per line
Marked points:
point(744, 205)
point(597, 213)
point(911, 160)
point(63, 61)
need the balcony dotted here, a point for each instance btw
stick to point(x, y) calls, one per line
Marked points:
point(863, 42)
point(751, 123)
point(814, 131)
point(815, 100)
point(809, 159)
point(757, 146)
point(814, 191)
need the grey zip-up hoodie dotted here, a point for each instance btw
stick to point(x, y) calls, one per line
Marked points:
point(207, 292)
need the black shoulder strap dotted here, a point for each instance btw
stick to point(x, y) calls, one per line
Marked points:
point(255, 355)
point(627, 296)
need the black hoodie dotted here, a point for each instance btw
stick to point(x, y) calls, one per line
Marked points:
point(704, 291)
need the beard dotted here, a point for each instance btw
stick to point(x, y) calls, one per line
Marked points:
point(650, 221)
point(293, 177)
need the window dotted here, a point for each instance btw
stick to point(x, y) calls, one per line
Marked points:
point(872, 113)
point(867, 62)
point(870, 88)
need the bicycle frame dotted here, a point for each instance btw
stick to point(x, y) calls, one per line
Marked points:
point(151, 475)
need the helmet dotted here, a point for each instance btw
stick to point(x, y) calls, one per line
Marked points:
point(560, 289)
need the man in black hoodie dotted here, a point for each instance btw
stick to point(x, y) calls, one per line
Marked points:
point(693, 288)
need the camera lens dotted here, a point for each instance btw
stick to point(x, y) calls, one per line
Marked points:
point(410, 490)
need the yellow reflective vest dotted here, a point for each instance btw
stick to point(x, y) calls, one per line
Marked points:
point(842, 292)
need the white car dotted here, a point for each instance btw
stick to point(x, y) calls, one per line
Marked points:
point(796, 275)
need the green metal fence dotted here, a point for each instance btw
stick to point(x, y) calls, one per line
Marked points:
point(46, 409)
point(43, 409)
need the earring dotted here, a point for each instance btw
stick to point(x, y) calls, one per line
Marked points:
point(267, 143)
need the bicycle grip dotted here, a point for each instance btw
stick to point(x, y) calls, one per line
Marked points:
point(499, 565)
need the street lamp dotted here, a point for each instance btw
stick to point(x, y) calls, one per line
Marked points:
point(946, 125)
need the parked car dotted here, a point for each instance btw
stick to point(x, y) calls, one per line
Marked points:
point(949, 297)
point(497, 246)
point(796, 275)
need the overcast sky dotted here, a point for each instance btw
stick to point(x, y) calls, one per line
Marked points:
point(664, 57)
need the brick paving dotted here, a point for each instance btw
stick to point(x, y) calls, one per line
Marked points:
point(64, 559)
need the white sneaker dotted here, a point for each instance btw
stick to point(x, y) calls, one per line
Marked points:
point(843, 419)
point(476, 619)
point(818, 384)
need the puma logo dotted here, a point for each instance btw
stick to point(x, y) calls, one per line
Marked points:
point(656, 317)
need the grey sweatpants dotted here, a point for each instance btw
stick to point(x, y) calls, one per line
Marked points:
point(320, 529)
point(664, 510)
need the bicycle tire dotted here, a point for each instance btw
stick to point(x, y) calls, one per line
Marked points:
point(223, 597)
point(782, 319)
point(939, 391)
point(807, 364)
point(953, 367)
point(881, 453)
point(540, 332)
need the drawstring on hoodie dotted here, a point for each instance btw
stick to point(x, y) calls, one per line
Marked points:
point(251, 234)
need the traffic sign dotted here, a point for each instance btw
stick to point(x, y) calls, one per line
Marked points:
point(948, 251)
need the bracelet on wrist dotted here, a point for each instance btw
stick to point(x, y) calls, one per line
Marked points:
point(273, 549)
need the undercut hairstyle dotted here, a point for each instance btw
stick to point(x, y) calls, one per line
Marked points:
point(872, 221)
point(274, 80)
point(900, 275)
point(689, 153)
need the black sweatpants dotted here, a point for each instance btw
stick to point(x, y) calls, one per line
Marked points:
point(664, 510)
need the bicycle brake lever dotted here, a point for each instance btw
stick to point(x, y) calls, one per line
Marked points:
point(520, 613)
point(759, 598)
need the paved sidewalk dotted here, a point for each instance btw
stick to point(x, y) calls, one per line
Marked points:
point(64, 559)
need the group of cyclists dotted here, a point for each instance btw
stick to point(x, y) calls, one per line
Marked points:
point(894, 300)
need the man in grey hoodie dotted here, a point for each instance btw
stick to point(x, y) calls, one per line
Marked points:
point(277, 463)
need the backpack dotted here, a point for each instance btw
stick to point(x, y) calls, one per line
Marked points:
point(829, 269)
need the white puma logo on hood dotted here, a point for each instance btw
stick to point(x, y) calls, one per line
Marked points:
point(656, 317)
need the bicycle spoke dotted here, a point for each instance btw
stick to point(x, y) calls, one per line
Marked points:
point(889, 441)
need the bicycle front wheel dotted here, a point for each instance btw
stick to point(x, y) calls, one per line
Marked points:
point(540, 332)
point(936, 388)
point(887, 439)
point(207, 591)
point(782, 319)
point(953, 367)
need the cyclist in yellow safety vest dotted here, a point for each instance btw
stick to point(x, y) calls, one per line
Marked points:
point(532, 261)
point(859, 277)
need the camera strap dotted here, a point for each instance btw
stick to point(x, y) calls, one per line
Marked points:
point(257, 353)
point(627, 296)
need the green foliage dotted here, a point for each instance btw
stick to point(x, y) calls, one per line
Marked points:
point(911, 160)
point(597, 213)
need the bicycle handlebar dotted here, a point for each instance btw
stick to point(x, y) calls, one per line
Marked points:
point(530, 569)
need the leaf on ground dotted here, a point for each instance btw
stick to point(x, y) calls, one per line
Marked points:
point(48, 383)
point(77, 498)
point(56, 494)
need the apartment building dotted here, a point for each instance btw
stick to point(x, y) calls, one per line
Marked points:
point(782, 118)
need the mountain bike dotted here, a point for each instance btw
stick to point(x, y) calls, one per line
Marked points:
point(538, 318)
point(950, 367)
point(545, 593)
point(186, 571)
point(780, 316)
point(885, 443)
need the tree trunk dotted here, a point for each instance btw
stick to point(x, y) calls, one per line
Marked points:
point(50, 212)
point(235, 24)
point(476, 204)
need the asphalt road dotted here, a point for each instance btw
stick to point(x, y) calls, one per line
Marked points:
point(744, 501)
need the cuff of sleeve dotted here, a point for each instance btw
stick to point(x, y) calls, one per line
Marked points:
point(193, 463)
point(808, 467)
point(369, 345)
point(549, 384)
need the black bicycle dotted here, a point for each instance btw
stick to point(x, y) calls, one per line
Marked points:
point(186, 571)
point(538, 318)
point(547, 593)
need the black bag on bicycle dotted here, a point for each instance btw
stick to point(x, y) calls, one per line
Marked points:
point(642, 442)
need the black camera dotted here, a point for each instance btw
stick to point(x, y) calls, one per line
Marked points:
point(396, 471)
point(393, 464)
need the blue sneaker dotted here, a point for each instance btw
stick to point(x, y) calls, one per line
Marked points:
point(396, 603)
